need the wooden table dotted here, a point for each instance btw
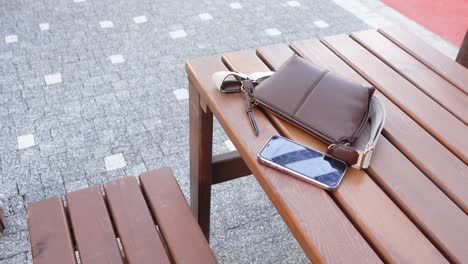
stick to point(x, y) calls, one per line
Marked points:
point(411, 204)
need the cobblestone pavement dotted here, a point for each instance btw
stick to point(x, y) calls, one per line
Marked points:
point(92, 90)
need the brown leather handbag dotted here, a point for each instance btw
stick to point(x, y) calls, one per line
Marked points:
point(326, 105)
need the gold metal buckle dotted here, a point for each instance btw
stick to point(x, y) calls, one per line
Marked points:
point(242, 87)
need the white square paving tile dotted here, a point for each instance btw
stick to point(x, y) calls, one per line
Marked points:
point(53, 78)
point(229, 145)
point(178, 34)
point(26, 141)
point(205, 16)
point(273, 31)
point(321, 24)
point(114, 162)
point(235, 5)
point(44, 26)
point(293, 3)
point(11, 39)
point(140, 19)
point(116, 58)
point(106, 24)
point(181, 94)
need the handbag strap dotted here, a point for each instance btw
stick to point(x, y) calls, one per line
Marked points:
point(360, 156)
point(230, 82)
point(234, 82)
point(377, 121)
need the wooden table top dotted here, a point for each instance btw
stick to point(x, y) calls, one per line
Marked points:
point(411, 204)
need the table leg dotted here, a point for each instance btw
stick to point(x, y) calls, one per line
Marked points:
point(201, 136)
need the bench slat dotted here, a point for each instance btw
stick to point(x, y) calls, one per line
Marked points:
point(438, 62)
point(299, 204)
point(140, 239)
point(49, 233)
point(369, 207)
point(405, 184)
point(92, 227)
point(450, 97)
point(183, 236)
point(439, 122)
point(429, 155)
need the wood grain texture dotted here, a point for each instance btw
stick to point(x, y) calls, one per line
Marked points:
point(307, 210)
point(182, 234)
point(92, 227)
point(49, 234)
point(134, 224)
point(228, 166)
point(442, 125)
point(365, 203)
point(440, 219)
point(438, 62)
point(447, 171)
point(405, 184)
point(200, 138)
point(440, 90)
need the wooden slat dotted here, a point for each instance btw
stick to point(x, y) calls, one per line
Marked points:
point(438, 62)
point(405, 184)
point(429, 155)
point(462, 56)
point(444, 223)
point(183, 236)
point(137, 231)
point(365, 203)
point(439, 122)
point(92, 227)
point(49, 233)
point(450, 97)
point(228, 166)
point(308, 211)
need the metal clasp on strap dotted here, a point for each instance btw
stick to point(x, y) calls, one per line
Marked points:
point(365, 158)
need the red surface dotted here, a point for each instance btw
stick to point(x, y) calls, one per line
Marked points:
point(446, 18)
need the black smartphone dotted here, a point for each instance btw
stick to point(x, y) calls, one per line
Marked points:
point(303, 162)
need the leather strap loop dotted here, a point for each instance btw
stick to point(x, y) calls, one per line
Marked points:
point(229, 82)
point(344, 153)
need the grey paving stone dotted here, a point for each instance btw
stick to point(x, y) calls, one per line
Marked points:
point(17, 259)
point(15, 224)
point(76, 185)
point(14, 244)
point(15, 205)
point(100, 109)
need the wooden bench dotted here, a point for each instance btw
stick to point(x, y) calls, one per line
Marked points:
point(149, 222)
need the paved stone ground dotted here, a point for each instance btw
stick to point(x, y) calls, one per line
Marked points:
point(92, 90)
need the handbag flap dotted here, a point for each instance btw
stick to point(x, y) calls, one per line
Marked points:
point(327, 105)
point(286, 88)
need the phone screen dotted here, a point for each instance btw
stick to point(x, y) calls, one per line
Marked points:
point(304, 161)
